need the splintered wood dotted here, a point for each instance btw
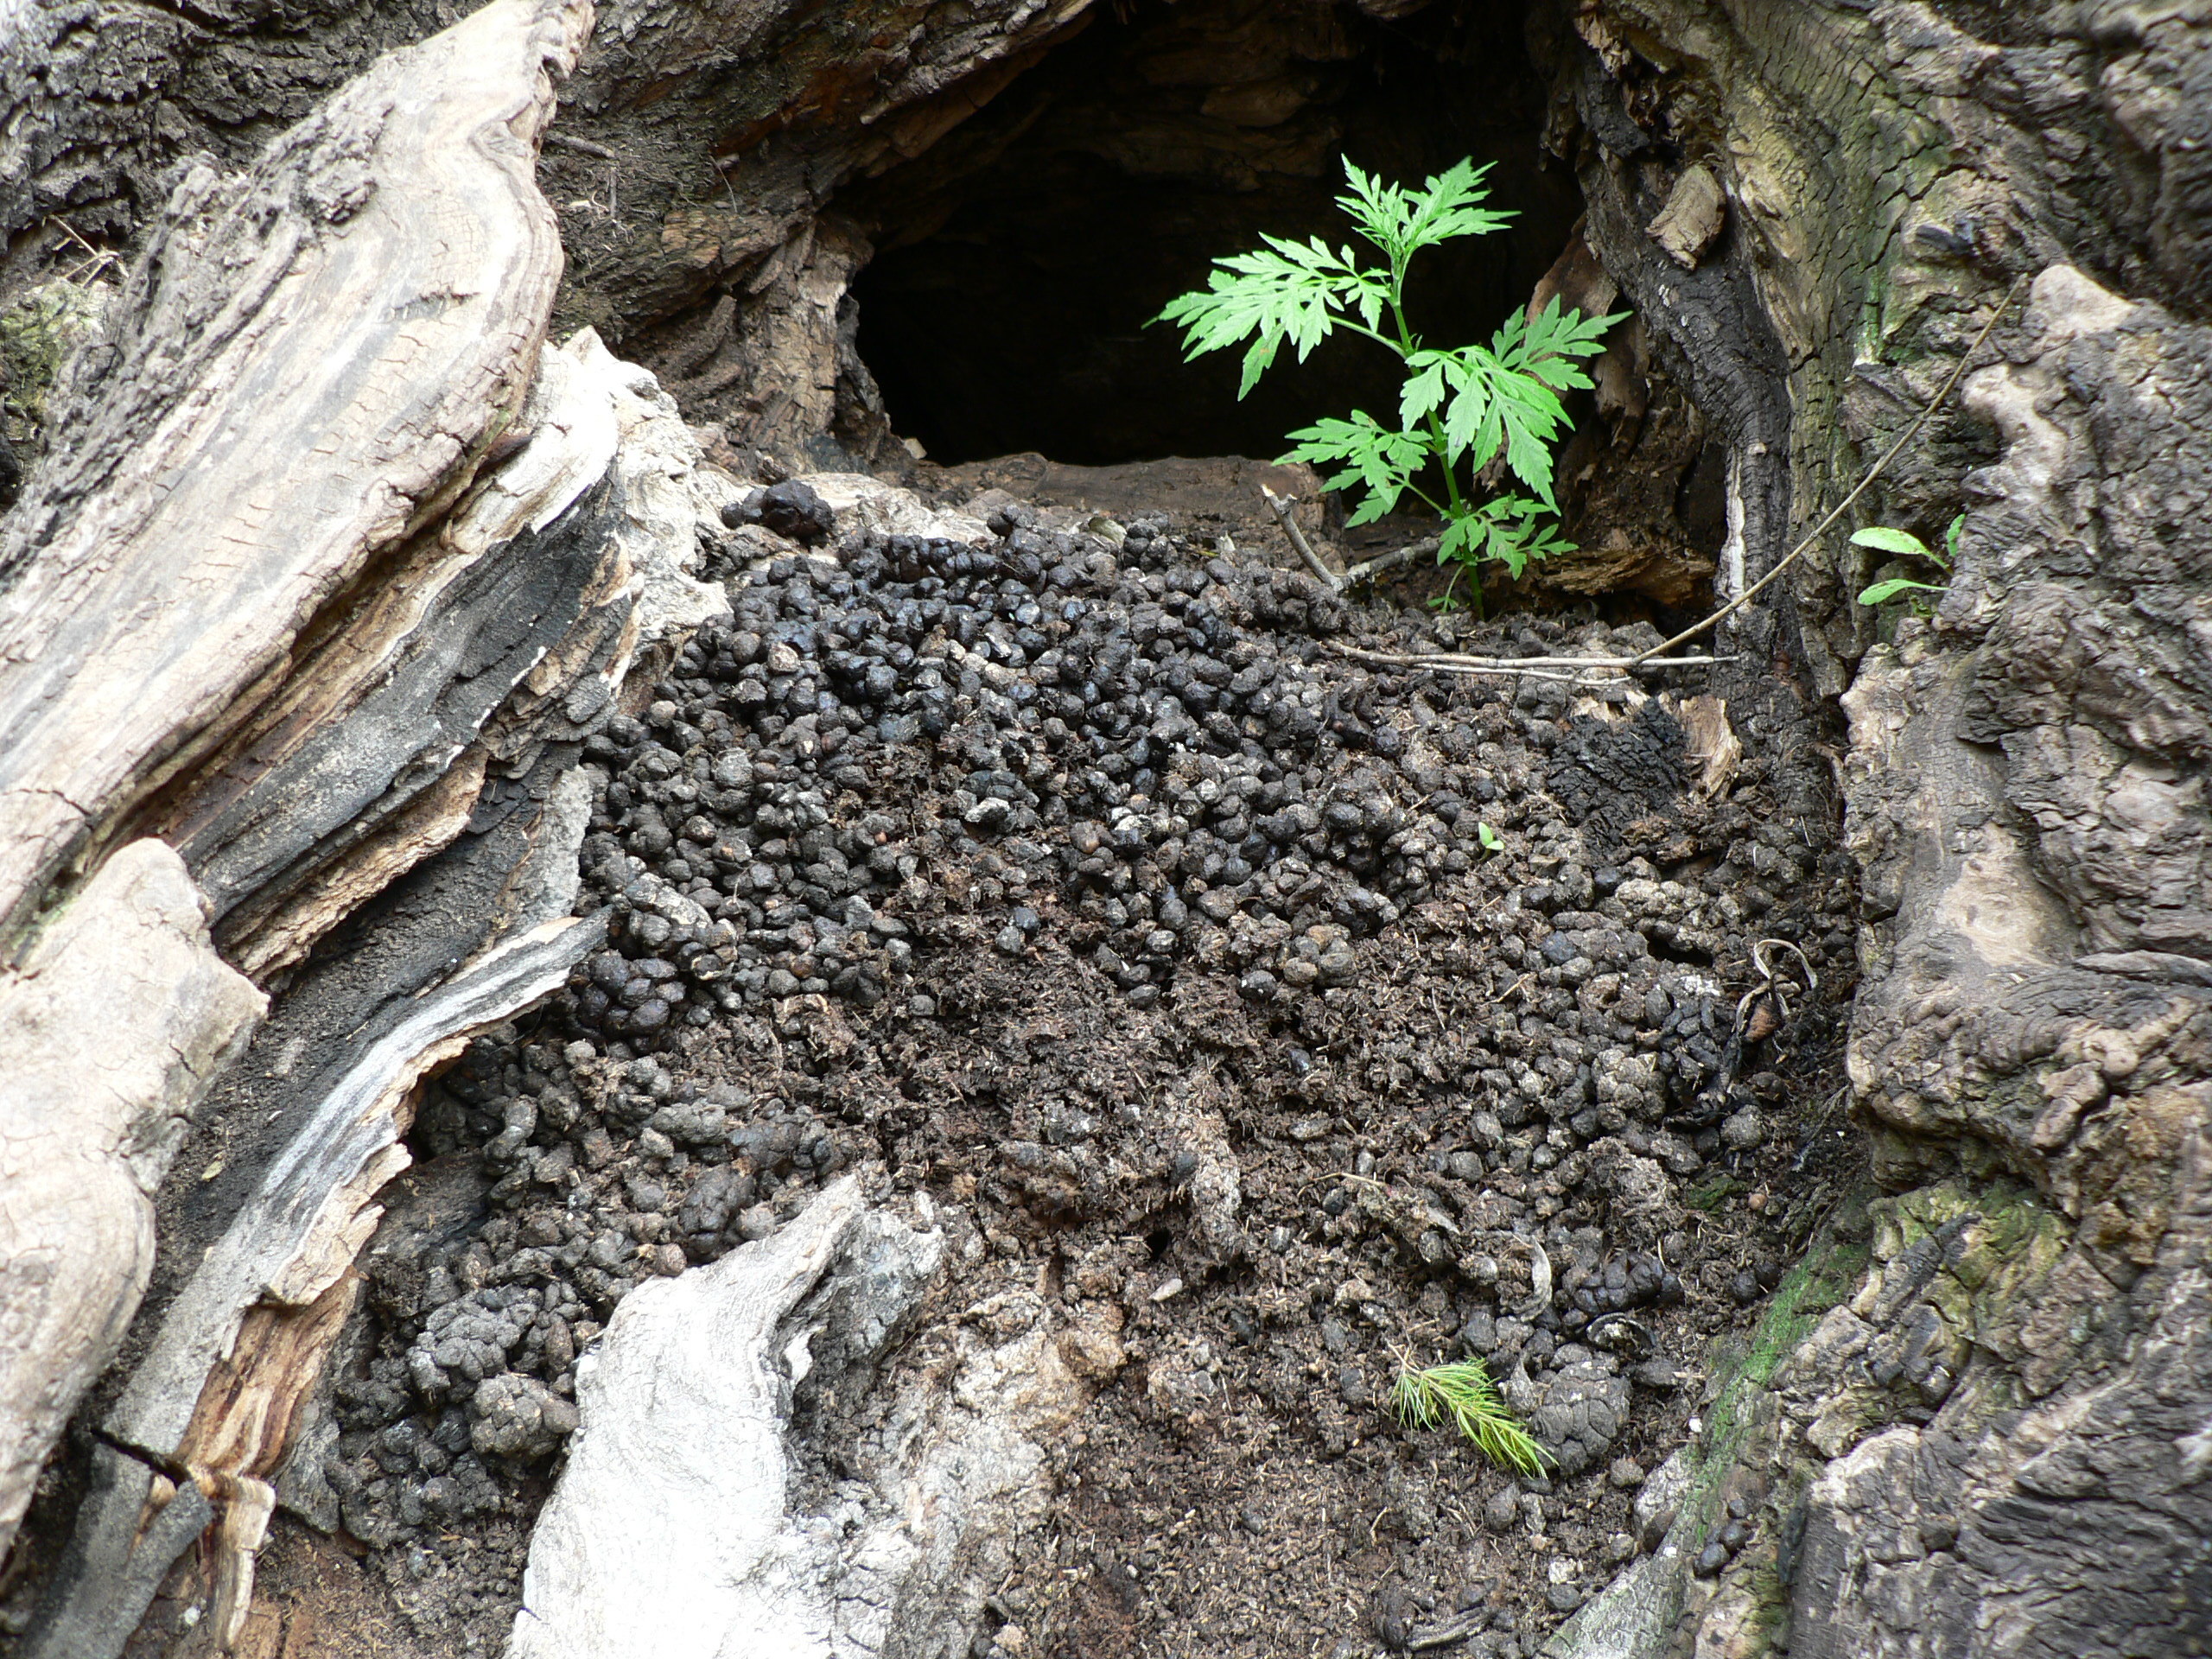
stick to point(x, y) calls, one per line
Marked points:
point(308, 365)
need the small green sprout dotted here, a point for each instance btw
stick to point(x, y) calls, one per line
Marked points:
point(1906, 545)
point(1491, 841)
point(1463, 1393)
point(1458, 408)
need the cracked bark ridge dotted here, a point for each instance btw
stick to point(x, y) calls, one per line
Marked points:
point(607, 502)
point(400, 661)
point(215, 1391)
point(2038, 896)
point(2004, 1426)
point(224, 1361)
point(508, 626)
point(1998, 1425)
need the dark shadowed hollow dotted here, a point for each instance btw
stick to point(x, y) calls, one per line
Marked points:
point(1020, 257)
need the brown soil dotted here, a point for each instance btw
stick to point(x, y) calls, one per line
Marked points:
point(1539, 1061)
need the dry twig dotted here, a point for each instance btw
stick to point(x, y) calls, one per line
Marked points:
point(1612, 669)
point(1279, 505)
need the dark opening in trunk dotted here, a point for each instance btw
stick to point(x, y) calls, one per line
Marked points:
point(1019, 258)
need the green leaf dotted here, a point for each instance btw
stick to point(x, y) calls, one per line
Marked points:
point(1528, 452)
point(1461, 542)
point(1882, 592)
point(1508, 530)
point(1488, 838)
point(1382, 460)
point(1567, 333)
point(1401, 222)
point(1449, 207)
point(1470, 404)
point(1470, 422)
point(1463, 1395)
point(1285, 292)
point(1951, 542)
point(1421, 395)
point(1548, 349)
point(1884, 539)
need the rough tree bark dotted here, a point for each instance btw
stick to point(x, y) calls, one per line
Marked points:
point(124, 663)
point(266, 600)
point(1813, 208)
point(126, 972)
point(1991, 1441)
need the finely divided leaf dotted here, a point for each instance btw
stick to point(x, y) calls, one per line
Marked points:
point(1382, 460)
point(1462, 540)
point(1401, 222)
point(1548, 346)
point(1468, 405)
point(1421, 395)
point(1508, 530)
point(1286, 291)
point(1471, 422)
point(1448, 207)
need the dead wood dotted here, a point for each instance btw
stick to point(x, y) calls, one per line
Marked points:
point(232, 1357)
point(111, 1027)
point(236, 536)
point(310, 362)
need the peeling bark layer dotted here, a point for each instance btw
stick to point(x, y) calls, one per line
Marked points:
point(265, 599)
point(215, 478)
point(674, 1528)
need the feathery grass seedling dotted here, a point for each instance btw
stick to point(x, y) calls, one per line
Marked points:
point(1463, 1393)
point(1458, 407)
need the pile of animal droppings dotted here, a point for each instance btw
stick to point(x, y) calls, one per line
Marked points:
point(974, 861)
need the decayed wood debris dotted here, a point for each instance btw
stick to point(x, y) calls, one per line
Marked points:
point(335, 564)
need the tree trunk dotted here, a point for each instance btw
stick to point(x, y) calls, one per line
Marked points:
point(333, 564)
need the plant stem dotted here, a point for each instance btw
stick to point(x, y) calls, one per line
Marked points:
point(1441, 450)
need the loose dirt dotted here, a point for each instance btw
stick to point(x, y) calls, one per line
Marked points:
point(1273, 1019)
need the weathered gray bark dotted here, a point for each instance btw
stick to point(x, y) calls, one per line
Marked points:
point(1812, 208)
point(265, 599)
point(219, 473)
point(122, 662)
point(97, 99)
point(674, 1528)
point(124, 985)
point(1991, 1444)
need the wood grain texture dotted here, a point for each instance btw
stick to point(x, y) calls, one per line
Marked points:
point(309, 1214)
point(306, 365)
point(113, 1026)
point(507, 626)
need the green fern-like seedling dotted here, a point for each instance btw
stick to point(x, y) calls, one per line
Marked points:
point(1462, 1394)
point(1458, 409)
